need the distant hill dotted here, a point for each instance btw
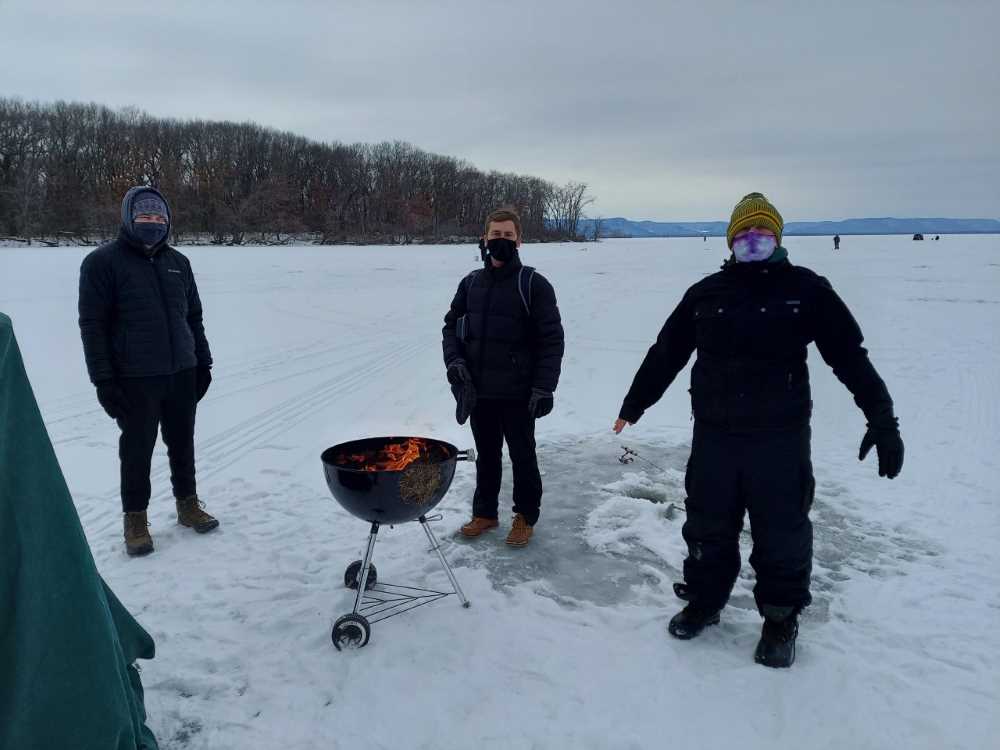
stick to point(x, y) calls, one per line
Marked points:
point(621, 227)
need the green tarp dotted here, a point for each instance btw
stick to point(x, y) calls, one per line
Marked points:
point(67, 645)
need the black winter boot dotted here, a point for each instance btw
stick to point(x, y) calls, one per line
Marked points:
point(691, 620)
point(776, 647)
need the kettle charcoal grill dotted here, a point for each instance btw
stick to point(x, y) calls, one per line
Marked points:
point(389, 480)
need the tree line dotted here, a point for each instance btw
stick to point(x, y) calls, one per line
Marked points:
point(65, 166)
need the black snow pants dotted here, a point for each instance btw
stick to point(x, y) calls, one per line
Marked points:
point(168, 402)
point(769, 475)
point(494, 420)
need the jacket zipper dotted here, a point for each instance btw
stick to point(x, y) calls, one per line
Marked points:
point(166, 311)
point(483, 328)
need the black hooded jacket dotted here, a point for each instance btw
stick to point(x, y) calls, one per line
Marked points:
point(507, 351)
point(750, 324)
point(140, 314)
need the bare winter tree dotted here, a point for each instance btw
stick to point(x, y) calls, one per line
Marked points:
point(23, 140)
point(565, 209)
point(64, 167)
point(598, 227)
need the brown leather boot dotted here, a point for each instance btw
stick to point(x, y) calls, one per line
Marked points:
point(478, 525)
point(520, 532)
point(190, 513)
point(137, 539)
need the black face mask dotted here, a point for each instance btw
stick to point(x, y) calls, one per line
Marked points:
point(501, 249)
point(149, 233)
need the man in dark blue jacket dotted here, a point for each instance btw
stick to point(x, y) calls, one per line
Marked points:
point(750, 453)
point(146, 352)
point(503, 347)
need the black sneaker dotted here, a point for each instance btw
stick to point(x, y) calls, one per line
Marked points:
point(776, 647)
point(691, 620)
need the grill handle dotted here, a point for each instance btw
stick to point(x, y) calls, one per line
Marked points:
point(466, 455)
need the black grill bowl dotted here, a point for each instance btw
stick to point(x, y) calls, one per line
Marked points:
point(390, 497)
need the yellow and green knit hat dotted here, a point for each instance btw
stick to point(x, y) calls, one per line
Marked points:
point(754, 210)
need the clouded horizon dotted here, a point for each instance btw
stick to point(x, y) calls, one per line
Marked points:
point(837, 110)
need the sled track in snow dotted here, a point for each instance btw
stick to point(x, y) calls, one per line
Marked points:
point(67, 408)
point(248, 371)
point(230, 445)
point(286, 415)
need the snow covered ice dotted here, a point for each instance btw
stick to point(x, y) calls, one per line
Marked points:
point(565, 645)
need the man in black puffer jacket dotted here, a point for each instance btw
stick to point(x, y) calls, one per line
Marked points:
point(146, 351)
point(503, 347)
point(750, 397)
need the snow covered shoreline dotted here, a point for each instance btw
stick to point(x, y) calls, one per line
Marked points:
point(310, 240)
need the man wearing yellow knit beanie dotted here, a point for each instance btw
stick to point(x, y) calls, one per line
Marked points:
point(750, 324)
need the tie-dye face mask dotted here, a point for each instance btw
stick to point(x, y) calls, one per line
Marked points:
point(753, 245)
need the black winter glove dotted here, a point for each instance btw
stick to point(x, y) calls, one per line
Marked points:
point(458, 373)
point(540, 403)
point(883, 433)
point(463, 390)
point(112, 399)
point(203, 379)
point(465, 400)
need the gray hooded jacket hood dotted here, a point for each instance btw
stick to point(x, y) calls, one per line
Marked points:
point(128, 206)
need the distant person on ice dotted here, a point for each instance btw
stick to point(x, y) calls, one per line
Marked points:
point(146, 351)
point(503, 347)
point(750, 325)
point(836, 242)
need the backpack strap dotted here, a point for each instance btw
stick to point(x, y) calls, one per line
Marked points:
point(462, 324)
point(470, 278)
point(524, 278)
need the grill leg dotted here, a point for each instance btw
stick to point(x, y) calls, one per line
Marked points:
point(447, 568)
point(365, 567)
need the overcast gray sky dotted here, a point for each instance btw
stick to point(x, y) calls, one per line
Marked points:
point(668, 110)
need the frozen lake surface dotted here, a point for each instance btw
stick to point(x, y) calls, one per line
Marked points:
point(565, 645)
